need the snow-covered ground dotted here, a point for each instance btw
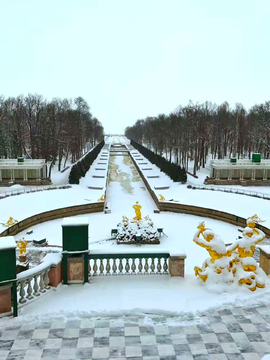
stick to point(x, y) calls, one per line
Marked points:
point(118, 294)
point(236, 204)
point(152, 294)
point(25, 205)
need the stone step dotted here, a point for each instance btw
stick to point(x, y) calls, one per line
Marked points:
point(166, 187)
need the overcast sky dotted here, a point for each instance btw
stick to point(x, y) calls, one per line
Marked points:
point(130, 59)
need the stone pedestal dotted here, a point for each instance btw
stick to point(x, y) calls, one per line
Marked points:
point(177, 265)
point(5, 299)
point(265, 258)
point(55, 275)
point(22, 266)
point(22, 258)
point(75, 270)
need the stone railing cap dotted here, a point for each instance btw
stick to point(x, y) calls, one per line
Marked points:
point(265, 248)
point(7, 242)
point(180, 255)
point(75, 221)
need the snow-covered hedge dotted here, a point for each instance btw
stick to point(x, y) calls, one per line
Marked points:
point(174, 171)
point(80, 168)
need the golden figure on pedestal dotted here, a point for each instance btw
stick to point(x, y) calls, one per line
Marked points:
point(137, 209)
point(216, 248)
point(234, 263)
point(11, 221)
point(22, 246)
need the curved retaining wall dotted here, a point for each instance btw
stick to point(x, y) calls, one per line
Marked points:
point(52, 215)
point(197, 210)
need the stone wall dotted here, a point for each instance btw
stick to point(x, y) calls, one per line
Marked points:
point(52, 215)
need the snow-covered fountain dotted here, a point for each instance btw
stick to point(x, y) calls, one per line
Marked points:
point(137, 230)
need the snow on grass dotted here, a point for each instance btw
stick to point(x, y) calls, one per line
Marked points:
point(236, 204)
point(25, 205)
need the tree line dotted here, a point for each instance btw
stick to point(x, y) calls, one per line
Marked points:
point(195, 131)
point(33, 127)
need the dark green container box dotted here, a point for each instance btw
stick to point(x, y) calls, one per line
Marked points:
point(75, 234)
point(7, 258)
point(256, 158)
point(233, 160)
point(20, 159)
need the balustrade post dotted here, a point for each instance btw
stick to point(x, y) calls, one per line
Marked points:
point(165, 266)
point(152, 267)
point(95, 267)
point(108, 267)
point(101, 267)
point(36, 288)
point(41, 283)
point(159, 266)
point(146, 267)
point(140, 267)
point(114, 267)
point(177, 264)
point(46, 280)
point(120, 266)
point(127, 267)
point(29, 289)
point(22, 299)
point(133, 266)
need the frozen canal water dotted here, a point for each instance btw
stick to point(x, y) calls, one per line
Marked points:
point(126, 187)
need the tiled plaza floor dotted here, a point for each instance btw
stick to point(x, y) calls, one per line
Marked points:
point(234, 334)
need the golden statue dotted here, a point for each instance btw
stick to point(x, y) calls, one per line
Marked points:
point(11, 221)
point(137, 209)
point(22, 246)
point(162, 198)
point(251, 275)
point(236, 262)
point(101, 198)
point(216, 249)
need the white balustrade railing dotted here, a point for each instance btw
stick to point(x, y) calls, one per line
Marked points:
point(27, 190)
point(128, 264)
point(230, 190)
point(34, 282)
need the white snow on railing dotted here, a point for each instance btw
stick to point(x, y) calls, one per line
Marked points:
point(28, 190)
point(230, 190)
point(48, 261)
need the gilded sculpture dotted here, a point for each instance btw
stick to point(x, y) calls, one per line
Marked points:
point(137, 209)
point(22, 246)
point(234, 263)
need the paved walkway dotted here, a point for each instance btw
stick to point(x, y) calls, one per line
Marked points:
point(240, 333)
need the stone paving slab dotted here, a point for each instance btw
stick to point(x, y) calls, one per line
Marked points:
point(233, 334)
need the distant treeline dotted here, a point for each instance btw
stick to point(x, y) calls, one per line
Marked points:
point(174, 171)
point(195, 130)
point(33, 127)
point(80, 168)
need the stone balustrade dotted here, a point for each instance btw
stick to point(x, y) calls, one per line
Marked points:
point(147, 263)
point(129, 264)
point(37, 281)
